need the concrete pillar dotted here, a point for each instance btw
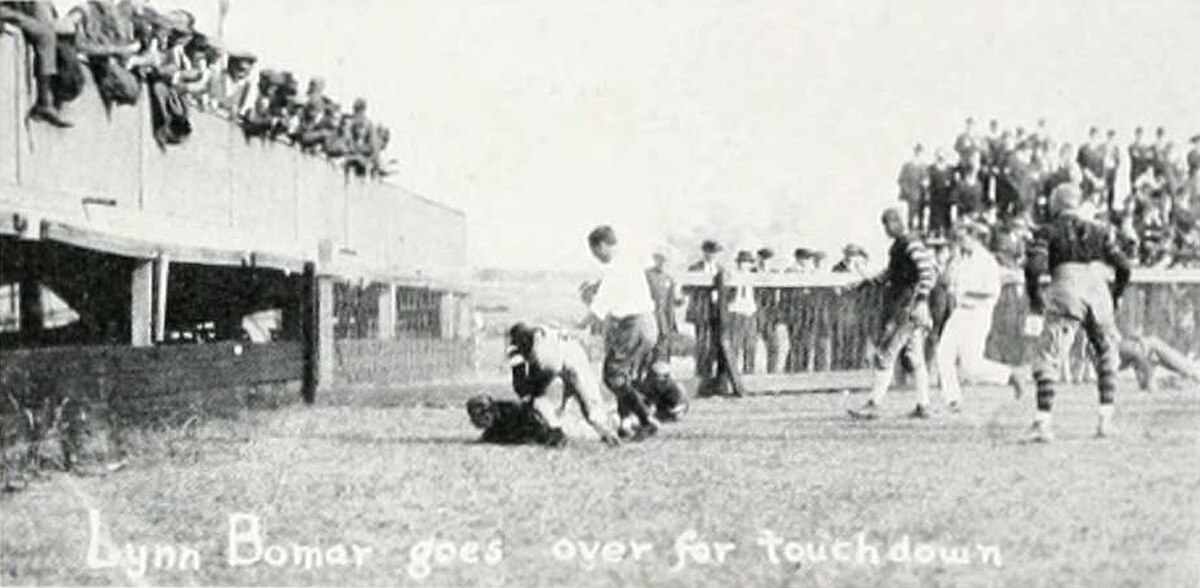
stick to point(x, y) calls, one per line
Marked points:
point(386, 298)
point(162, 270)
point(446, 315)
point(325, 341)
point(141, 304)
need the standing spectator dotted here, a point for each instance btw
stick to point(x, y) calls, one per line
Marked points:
point(667, 296)
point(742, 310)
point(1193, 156)
point(37, 22)
point(914, 187)
point(1042, 137)
point(941, 194)
point(1090, 159)
point(969, 198)
point(803, 262)
point(1141, 156)
point(967, 141)
point(1112, 163)
point(854, 260)
point(1020, 185)
point(772, 318)
point(1159, 149)
point(701, 311)
point(993, 158)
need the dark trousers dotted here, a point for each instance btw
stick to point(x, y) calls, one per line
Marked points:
point(628, 352)
point(36, 22)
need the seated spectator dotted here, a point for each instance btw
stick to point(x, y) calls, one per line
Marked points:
point(229, 85)
point(37, 22)
point(1187, 240)
point(258, 122)
point(338, 143)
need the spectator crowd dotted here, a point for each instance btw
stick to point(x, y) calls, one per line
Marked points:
point(126, 45)
point(1003, 177)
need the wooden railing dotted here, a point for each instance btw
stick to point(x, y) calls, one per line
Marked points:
point(831, 330)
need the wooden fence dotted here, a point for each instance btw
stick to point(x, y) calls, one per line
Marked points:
point(831, 331)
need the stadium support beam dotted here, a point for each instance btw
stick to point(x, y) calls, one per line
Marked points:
point(387, 312)
point(162, 271)
point(141, 304)
point(324, 331)
point(309, 316)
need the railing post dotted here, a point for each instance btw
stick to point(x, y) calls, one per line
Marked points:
point(141, 304)
point(309, 333)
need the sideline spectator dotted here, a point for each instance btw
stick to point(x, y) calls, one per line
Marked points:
point(914, 187)
point(230, 86)
point(667, 296)
point(1141, 156)
point(1091, 165)
point(1112, 163)
point(967, 142)
point(37, 23)
point(742, 310)
point(854, 260)
point(941, 194)
point(969, 197)
point(1193, 156)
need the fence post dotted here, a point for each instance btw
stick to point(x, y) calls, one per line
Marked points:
point(309, 333)
point(386, 317)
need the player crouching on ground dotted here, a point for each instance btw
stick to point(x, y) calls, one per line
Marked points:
point(908, 279)
point(1074, 250)
point(539, 358)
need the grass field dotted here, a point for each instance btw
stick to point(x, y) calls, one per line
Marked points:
point(386, 474)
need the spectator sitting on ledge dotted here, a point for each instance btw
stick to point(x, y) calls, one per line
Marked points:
point(229, 86)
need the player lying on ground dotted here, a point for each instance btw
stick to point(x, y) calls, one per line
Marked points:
point(973, 279)
point(512, 422)
point(1075, 251)
point(1144, 355)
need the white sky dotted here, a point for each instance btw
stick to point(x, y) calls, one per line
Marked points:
point(542, 118)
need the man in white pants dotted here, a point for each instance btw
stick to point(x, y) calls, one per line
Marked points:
point(974, 280)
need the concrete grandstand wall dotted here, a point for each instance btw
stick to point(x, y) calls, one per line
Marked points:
point(218, 191)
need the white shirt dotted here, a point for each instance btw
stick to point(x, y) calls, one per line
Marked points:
point(624, 290)
point(743, 294)
point(975, 279)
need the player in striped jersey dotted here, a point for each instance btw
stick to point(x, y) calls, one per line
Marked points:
point(1074, 250)
point(908, 279)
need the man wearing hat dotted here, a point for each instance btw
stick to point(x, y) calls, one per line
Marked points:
point(854, 260)
point(772, 318)
point(667, 297)
point(700, 311)
point(742, 308)
point(907, 282)
point(914, 186)
point(973, 280)
point(1070, 248)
